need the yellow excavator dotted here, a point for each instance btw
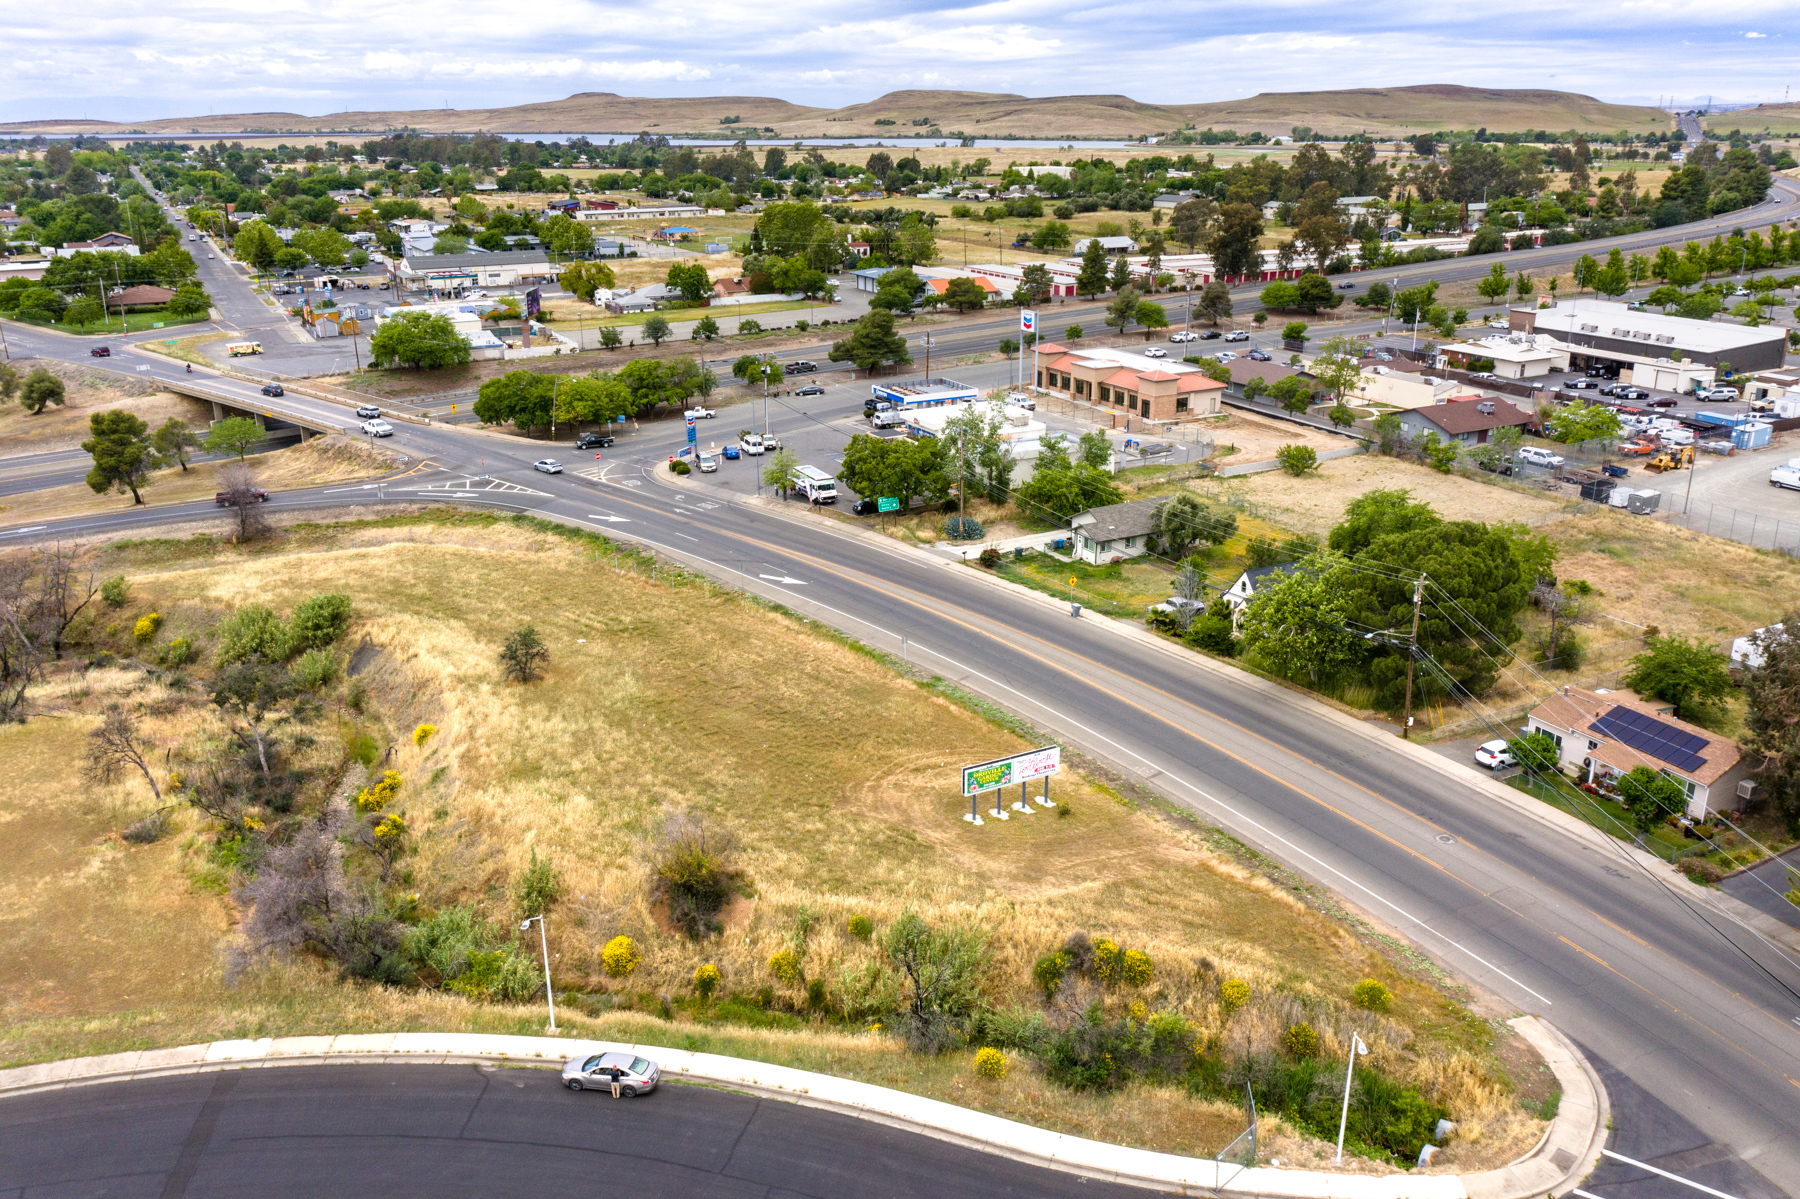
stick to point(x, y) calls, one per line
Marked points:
point(1672, 459)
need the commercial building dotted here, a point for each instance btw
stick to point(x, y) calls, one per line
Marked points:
point(644, 212)
point(1022, 435)
point(1669, 353)
point(1466, 420)
point(936, 392)
point(1513, 356)
point(1403, 384)
point(1606, 735)
point(1129, 385)
point(457, 274)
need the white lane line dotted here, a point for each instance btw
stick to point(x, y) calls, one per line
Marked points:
point(364, 487)
point(1205, 795)
point(1686, 1182)
point(16, 532)
point(695, 540)
point(617, 520)
point(782, 579)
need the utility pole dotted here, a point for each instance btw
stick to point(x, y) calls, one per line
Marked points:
point(1412, 652)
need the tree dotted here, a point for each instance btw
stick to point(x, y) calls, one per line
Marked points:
point(1298, 620)
point(254, 693)
point(782, 471)
point(173, 441)
point(1612, 279)
point(238, 490)
point(450, 243)
point(123, 455)
point(691, 280)
point(1120, 278)
point(524, 655)
point(1380, 513)
point(1772, 717)
point(940, 971)
point(1297, 459)
point(1487, 240)
point(563, 234)
point(1535, 752)
point(964, 294)
point(1582, 422)
point(1181, 521)
point(1123, 310)
point(1338, 367)
point(41, 389)
point(118, 744)
point(706, 327)
point(1033, 286)
point(1151, 315)
point(422, 340)
point(1692, 675)
point(257, 245)
point(610, 337)
point(1321, 237)
point(1652, 797)
point(190, 299)
point(872, 343)
point(235, 435)
point(10, 383)
point(913, 241)
point(1061, 488)
point(583, 279)
point(1091, 280)
point(656, 328)
point(1235, 242)
point(1191, 222)
point(1051, 235)
point(897, 467)
point(1294, 331)
point(1215, 301)
point(1494, 284)
point(1566, 610)
point(85, 310)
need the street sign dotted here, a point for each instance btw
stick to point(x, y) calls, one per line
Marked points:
point(1004, 772)
point(887, 503)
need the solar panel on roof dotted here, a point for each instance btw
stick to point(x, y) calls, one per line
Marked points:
point(1648, 735)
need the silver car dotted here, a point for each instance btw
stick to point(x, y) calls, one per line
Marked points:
point(635, 1075)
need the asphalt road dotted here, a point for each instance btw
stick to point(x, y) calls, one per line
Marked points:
point(432, 1131)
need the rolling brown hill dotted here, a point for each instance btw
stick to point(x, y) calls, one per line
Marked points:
point(1379, 111)
point(1779, 119)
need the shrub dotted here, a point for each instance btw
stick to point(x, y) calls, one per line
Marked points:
point(706, 981)
point(989, 557)
point(1700, 870)
point(694, 873)
point(861, 927)
point(1234, 993)
point(252, 630)
point(376, 797)
point(815, 994)
point(679, 467)
point(1300, 1040)
point(1108, 962)
point(1096, 1053)
point(423, 733)
point(1048, 973)
point(147, 829)
point(620, 957)
point(116, 592)
point(785, 966)
point(1371, 994)
point(319, 621)
point(962, 528)
point(178, 651)
point(1135, 967)
point(499, 974)
point(315, 669)
point(990, 1063)
point(1296, 460)
point(538, 887)
point(146, 626)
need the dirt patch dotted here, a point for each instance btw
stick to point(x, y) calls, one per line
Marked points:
point(1257, 438)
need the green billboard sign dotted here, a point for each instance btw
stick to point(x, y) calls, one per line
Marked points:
point(1003, 772)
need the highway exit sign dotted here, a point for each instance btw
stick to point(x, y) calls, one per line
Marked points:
point(887, 503)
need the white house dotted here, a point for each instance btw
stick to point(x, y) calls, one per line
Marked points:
point(1606, 735)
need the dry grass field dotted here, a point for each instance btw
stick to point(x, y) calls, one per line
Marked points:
point(331, 459)
point(836, 775)
point(85, 393)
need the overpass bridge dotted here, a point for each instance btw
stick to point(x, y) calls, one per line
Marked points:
point(276, 414)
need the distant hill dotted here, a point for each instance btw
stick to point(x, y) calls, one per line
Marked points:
point(1780, 119)
point(1380, 111)
point(1423, 108)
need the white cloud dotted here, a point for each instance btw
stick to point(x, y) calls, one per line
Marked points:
point(1756, 35)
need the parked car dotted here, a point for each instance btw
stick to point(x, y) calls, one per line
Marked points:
point(368, 410)
point(1185, 335)
point(707, 461)
point(1498, 325)
point(1662, 402)
point(811, 389)
point(273, 389)
point(1494, 755)
point(100, 352)
point(1786, 477)
point(1021, 400)
point(223, 498)
point(699, 412)
point(1717, 393)
point(731, 452)
point(1237, 335)
point(886, 420)
point(1537, 455)
point(1224, 356)
point(593, 441)
point(802, 367)
point(635, 1075)
point(771, 442)
point(1211, 335)
point(1632, 393)
point(549, 466)
point(1347, 285)
point(1156, 352)
point(1581, 385)
point(1259, 356)
point(1176, 603)
point(377, 428)
point(751, 443)
point(867, 506)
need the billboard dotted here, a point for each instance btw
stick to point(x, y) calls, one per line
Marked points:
point(533, 300)
point(1004, 772)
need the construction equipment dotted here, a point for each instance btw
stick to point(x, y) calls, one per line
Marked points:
point(1672, 459)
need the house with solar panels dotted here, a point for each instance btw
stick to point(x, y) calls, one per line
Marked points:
point(1608, 734)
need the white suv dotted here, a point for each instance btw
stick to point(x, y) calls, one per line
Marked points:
point(1537, 456)
point(377, 428)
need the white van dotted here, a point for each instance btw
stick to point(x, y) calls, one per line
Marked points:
point(751, 443)
point(1785, 476)
point(817, 486)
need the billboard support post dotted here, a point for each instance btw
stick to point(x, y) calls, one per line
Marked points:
point(1003, 772)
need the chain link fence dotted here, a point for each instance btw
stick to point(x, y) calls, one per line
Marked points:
point(1758, 530)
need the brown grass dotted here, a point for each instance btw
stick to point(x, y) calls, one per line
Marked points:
point(87, 391)
point(837, 775)
point(330, 459)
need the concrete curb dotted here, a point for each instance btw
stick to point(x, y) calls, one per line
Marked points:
point(1560, 1160)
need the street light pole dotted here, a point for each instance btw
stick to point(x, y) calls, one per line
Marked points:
point(1356, 1047)
point(544, 941)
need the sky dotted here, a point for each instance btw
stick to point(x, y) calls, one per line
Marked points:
point(117, 61)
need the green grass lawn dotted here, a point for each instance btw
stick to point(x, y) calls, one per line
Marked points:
point(131, 322)
point(727, 317)
point(1609, 817)
point(1122, 589)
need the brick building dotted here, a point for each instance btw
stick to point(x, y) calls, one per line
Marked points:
point(1129, 385)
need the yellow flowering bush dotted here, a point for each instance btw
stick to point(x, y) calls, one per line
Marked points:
point(990, 1063)
point(620, 957)
point(1300, 1040)
point(1135, 967)
point(146, 626)
point(1108, 965)
point(423, 733)
point(1371, 994)
point(1234, 994)
point(706, 980)
point(390, 828)
point(376, 796)
point(785, 966)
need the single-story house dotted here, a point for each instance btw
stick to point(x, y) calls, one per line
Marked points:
point(1468, 420)
point(730, 287)
point(1112, 245)
point(1605, 735)
point(939, 286)
point(1403, 383)
point(1240, 593)
point(458, 273)
point(860, 249)
point(644, 299)
point(1114, 531)
point(106, 243)
point(143, 295)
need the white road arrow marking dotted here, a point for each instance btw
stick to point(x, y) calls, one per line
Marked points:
point(611, 519)
point(782, 579)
